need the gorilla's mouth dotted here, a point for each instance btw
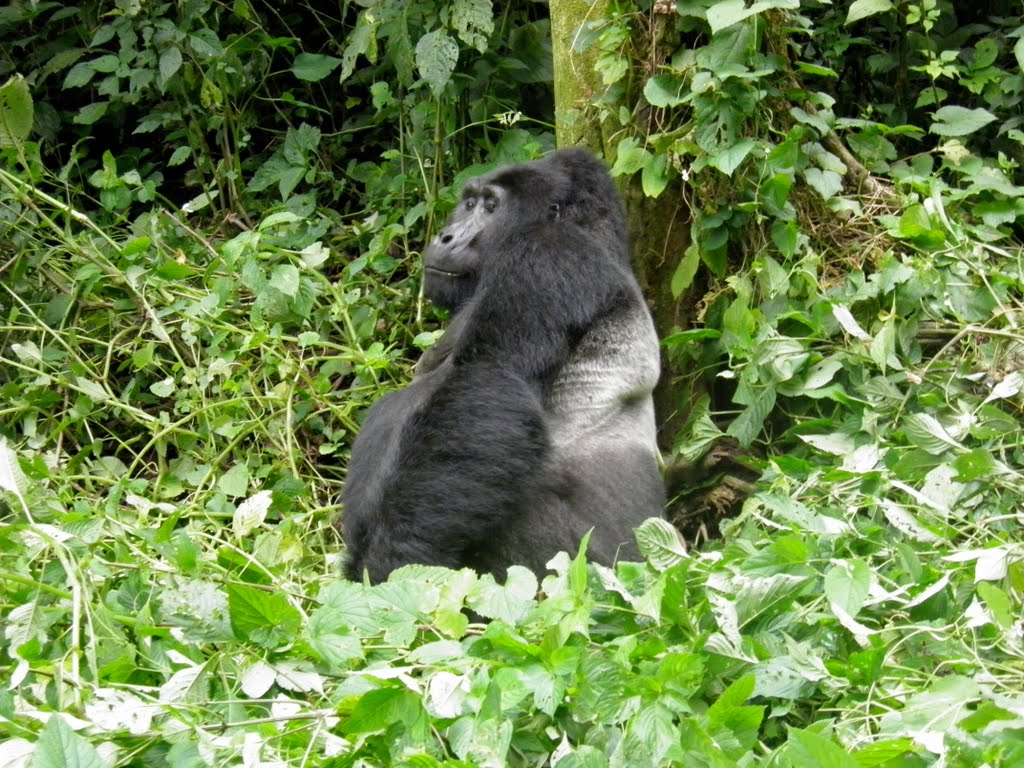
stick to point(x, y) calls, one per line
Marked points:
point(443, 272)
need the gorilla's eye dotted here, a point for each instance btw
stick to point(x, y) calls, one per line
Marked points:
point(470, 204)
point(490, 204)
point(554, 210)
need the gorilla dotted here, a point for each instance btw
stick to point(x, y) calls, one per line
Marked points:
point(531, 421)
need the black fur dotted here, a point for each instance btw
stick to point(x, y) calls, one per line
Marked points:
point(467, 466)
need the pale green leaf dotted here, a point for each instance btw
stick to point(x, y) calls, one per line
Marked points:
point(12, 479)
point(436, 56)
point(16, 112)
point(960, 121)
point(235, 482)
point(861, 9)
point(285, 278)
point(729, 159)
point(847, 584)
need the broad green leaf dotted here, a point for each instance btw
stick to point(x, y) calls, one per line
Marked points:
point(655, 176)
point(95, 391)
point(725, 13)
point(60, 747)
point(16, 112)
point(79, 75)
point(809, 749)
point(473, 21)
point(1018, 51)
point(729, 159)
point(235, 482)
point(630, 157)
point(170, 63)
point(660, 543)
point(960, 121)
point(265, 618)
point(828, 184)
point(313, 67)
point(509, 602)
point(861, 9)
point(436, 56)
point(747, 426)
point(665, 91)
point(847, 584)
point(925, 431)
point(998, 603)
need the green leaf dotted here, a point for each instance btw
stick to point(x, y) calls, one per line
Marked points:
point(473, 21)
point(235, 482)
point(436, 56)
point(16, 112)
point(265, 618)
point(79, 75)
point(728, 12)
point(807, 749)
point(925, 432)
point(630, 157)
point(509, 602)
point(861, 9)
point(975, 465)
point(60, 747)
point(661, 544)
point(90, 113)
point(665, 91)
point(746, 427)
point(1018, 51)
point(313, 67)
point(828, 184)
point(847, 584)
point(960, 121)
point(729, 159)
point(998, 603)
point(655, 176)
point(682, 278)
point(170, 63)
point(285, 278)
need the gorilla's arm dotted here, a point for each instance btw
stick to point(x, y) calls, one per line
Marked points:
point(468, 457)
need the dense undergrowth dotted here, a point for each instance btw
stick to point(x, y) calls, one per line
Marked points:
point(210, 217)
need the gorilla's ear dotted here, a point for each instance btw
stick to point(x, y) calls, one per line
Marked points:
point(555, 211)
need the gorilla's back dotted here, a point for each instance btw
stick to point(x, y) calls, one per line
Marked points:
point(605, 460)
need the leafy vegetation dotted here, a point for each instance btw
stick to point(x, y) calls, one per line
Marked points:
point(210, 217)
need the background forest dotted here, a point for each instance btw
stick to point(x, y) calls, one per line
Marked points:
point(211, 222)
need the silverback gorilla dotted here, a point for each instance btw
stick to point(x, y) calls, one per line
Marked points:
point(531, 421)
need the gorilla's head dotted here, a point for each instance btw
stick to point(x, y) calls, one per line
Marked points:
point(569, 185)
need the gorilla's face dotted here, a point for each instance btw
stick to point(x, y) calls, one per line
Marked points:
point(570, 185)
point(490, 206)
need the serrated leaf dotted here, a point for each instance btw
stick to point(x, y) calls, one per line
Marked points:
point(265, 618)
point(16, 112)
point(808, 748)
point(60, 747)
point(313, 67)
point(861, 9)
point(660, 543)
point(960, 121)
point(436, 56)
point(848, 323)
point(473, 21)
point(925, 431)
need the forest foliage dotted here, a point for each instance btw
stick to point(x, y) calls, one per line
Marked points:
point(211, 218)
